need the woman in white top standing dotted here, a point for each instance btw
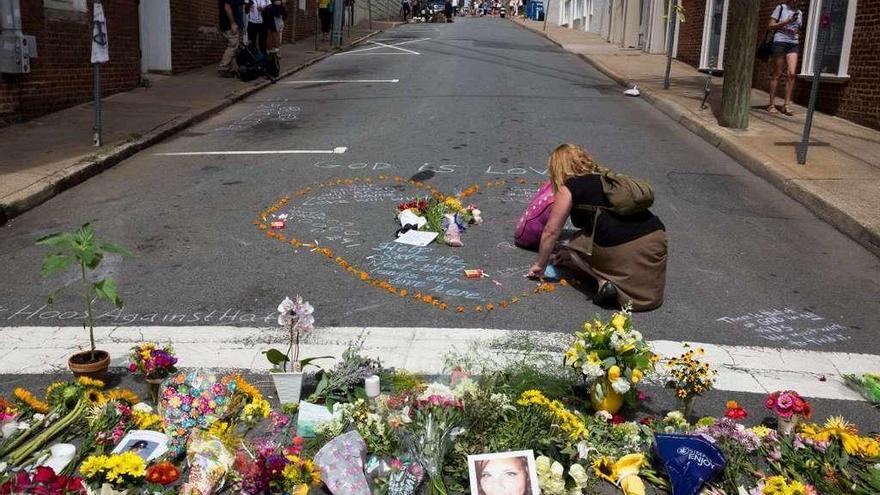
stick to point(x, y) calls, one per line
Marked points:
point(786, 22)
point(257, 31)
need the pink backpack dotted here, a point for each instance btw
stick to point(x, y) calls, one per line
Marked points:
point(532, 221)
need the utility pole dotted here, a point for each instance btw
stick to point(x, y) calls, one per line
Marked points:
point(671, 22)
point(739, 63)
point(824, 21)
point(100, 55)
point(338, 14)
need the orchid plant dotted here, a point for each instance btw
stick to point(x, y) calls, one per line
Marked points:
point(297, 318)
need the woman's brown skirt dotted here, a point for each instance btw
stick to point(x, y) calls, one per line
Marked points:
point(637, 268)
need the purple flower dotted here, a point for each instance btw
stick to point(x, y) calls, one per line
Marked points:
point(279, 420)
point(162, 359)
point(275, 464)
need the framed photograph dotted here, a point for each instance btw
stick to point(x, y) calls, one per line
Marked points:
point(503, 473)
point(147, 444)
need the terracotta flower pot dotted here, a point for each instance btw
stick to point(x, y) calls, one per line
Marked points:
point(610, 402)
point(82, 364)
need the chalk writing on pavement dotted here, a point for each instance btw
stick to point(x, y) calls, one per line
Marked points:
point(798, 328)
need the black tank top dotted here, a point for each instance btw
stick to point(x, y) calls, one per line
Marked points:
point(611, 229)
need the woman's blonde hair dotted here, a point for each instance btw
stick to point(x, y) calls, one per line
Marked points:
point(569, 160)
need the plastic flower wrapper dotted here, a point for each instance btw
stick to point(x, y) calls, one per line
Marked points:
point(394, 476)
point(209, 462)
point(551, 478)
point(436, 422)
point(342, 461)
point(190, 400)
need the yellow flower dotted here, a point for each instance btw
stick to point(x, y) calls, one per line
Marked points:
point(868, 448)
point(31, 401)
point(96, 397)
point(90, 382)
point(775, 485)
point(838, 427)
point(146, 421)
point(760, 430)
point(618, 321)
point(244, 386)
point(624, 472)
point(613, 373)
point(637, 376)
point(123, 394)
point(593, 358)
point(571, 355)
point(92, 466)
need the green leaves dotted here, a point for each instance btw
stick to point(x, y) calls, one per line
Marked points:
point(55, 263)
point(109, 247)
point(276, 357)
point(59, 239)
point(106, 289)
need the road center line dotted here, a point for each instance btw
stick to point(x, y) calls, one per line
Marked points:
point(334, 81)
point(740, 368)
point(335, 151)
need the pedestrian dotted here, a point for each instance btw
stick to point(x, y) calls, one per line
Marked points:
point(416, 9)
point(274, 16)
point(454, 8)
point(325, 14)
point(231, 23)
point(625, 254)
point(404, 7)
point(257, 30)
point(786, 22)
point(447, 10)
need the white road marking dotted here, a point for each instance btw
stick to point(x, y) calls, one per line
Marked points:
point(335, 151)
point(335, 81)
point(741, 368)
point(379, 44)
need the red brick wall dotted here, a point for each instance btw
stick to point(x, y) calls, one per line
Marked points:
point(62, 76)
point(195, 38)
point(690, 32)
point(306, 20)
point(856, 99)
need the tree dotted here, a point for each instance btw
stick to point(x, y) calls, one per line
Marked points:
point(739, 63)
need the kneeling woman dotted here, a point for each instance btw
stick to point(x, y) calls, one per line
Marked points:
point(626, 255)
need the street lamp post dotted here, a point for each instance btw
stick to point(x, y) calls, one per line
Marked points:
point(824, 22)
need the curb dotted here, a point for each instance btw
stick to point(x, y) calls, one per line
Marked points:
point(763, 167)
point(80, 170)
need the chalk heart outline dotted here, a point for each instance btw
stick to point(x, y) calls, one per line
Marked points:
point(421, 189)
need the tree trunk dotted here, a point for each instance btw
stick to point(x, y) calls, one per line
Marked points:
point(739, 63)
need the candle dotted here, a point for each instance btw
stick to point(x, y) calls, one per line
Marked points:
point(371, 384)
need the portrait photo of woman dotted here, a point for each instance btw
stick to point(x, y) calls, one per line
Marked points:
point(504, 473)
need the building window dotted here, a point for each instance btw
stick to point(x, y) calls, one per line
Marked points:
point(714, 32)
point(838, 37)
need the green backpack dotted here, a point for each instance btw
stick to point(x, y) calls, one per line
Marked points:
point(627, 195)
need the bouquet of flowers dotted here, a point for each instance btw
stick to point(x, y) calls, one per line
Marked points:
point(689, 377)
point(436, 420)
point(444, 215)
point(613, 356)
point(789, 407)
point(43, 481)
point(160, 475)
point(273, 467)
point(151, 361)
point(114, 473)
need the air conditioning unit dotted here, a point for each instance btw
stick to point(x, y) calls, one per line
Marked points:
point(16, 52)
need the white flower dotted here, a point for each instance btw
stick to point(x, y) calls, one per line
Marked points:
point(603, 415)
point(584, 449)
point(621, 385)
point(542, 464)
point(142, 407)
point(465, 386)
point(437, 389)
point(592, 370)
point(579, 475)
point(39, 416)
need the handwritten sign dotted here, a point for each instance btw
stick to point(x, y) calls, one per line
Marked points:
point(798, 328)
point(35, 313)
point(276, 111)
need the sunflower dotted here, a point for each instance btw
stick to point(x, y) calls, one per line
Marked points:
point(90, 382)
point(123, 394)
point(244, 386)
point(28, 399)
point(96, 397)
point(605, 469)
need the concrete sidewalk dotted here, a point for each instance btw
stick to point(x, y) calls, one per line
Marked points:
point(47, 155)
point(840, 182)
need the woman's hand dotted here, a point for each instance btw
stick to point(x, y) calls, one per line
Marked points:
point(536, 271)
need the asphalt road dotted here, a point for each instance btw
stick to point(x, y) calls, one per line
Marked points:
point(478, 100)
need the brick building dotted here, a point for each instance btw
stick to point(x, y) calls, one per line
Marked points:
point(850, 68)
point(167, 36)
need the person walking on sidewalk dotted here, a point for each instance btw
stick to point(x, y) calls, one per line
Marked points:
point(325, 13)
point(257, 30)
point(231, 19)
point(404, 7)
point(786, 21)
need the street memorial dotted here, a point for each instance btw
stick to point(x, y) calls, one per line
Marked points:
point(527, 426)
point(523, 423)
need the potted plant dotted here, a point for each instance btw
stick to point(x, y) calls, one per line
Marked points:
point(287, 369)
point(84, 249)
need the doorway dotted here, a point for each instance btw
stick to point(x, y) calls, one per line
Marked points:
point(155, 35)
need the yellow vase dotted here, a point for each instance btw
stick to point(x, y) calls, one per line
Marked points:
point(611, 402)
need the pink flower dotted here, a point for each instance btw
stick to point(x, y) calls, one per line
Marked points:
point(132, 367)
point(784, 402)
point(396, 464)
point(435, 400)
point(641, 396)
